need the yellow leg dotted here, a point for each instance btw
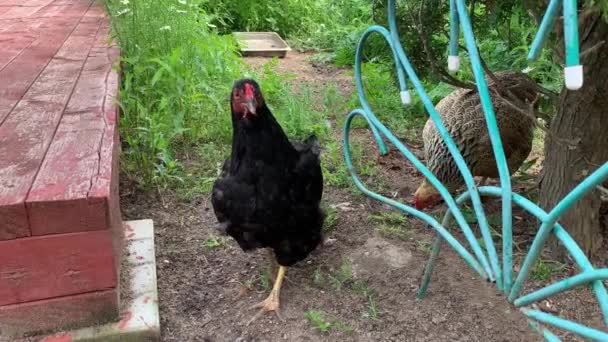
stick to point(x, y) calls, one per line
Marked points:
point(272, 302)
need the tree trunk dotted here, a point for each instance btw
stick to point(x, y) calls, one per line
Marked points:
point(582, 120)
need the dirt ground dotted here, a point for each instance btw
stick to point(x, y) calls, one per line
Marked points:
point(363, 282)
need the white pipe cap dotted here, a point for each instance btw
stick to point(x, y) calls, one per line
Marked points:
point(453, 63)
point(406, 98)
point(574, 77)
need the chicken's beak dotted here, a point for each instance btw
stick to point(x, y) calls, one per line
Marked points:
point(250, 107)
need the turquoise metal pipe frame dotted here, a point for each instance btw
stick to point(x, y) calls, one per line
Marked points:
point(374, 122)
point(581, 260)
point(545, 28)
point(558, 322)
point(564, 238)
point(573, 71)
point(571, 32)
point(454, 29)
point(422, 216)
point(499, 155)
point(547, 224)
point(548, 335)
point(495, 272)
point(435, 249)
point(477, 261)
point(430, 266)
point(589, 275)
point(561, 286)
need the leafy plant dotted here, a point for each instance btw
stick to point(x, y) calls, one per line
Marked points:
point(424, 246)
point(331, 218)
point(213, 242)
point(544, 270)
point(317, 320)
point(362, 289)
point(343, 276)
point(320, 322)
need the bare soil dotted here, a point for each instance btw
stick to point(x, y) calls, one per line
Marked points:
point(363, 282)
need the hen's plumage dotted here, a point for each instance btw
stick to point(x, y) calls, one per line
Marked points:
point(269, 191)
point(463, 116)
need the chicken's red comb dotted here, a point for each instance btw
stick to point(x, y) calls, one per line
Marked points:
point(249, 90)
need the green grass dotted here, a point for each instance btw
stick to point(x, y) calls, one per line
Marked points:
point(543, 270)
point(344, 280)
point(362, 289)
point(310, 25)
point(424, 247)
point(320, 322)
point(332, 216)
point(391, 224)
point(342, 327)
point(317, 320)
point(318, 278)
point(177, 75)
point(265, 279)
point(342, 277)
point(174, 99)
point(214, 242)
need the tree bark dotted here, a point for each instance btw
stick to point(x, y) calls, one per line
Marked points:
point(582, 120)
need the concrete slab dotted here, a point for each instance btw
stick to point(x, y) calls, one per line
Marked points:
point(140, 320)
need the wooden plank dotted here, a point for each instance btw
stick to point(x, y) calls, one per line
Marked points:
point(59, 313)
point(13, 24)
point(57, 201)
point(17, 40)
point(19, 75)
point(107, 180)
point(13, 3)
point(32, 8)
point(56, 265)
point(14, 222)
point(46, 8)
point(97, 10)
point(64, 9)
point(38, 2)
point(4, 9)
point(27, 132)
point(21, 12)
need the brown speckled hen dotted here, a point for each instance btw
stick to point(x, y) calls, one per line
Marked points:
point(464, 119)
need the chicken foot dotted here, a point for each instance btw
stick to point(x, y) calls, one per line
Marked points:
point(272, 302)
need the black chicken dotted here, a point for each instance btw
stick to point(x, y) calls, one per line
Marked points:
point(269, 192)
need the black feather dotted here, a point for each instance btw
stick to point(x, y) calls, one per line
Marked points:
point(270, 189)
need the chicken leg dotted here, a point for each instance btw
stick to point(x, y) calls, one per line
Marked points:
point(272, 302)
